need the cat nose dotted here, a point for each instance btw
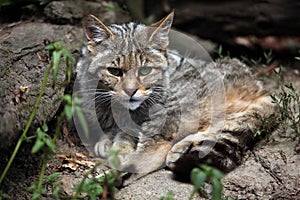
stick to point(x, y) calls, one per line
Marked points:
point(130, 92)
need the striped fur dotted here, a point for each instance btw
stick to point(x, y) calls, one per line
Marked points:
point(135, 71)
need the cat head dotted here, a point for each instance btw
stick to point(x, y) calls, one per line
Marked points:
point(129, 59)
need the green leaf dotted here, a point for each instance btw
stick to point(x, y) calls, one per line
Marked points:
point(37, 146)
point(57, 46)
point(169, 196)
point(77, 101)
point(216, 189)
point(79, 114)
point(50, 143)
point(50, 47)
point(217, 174)
point(36, 195)
point(67, 98)
point(32, 187)
point(68, 110)
point(56, 191)
point(94, 190)
point(40, 133)
point(198, 178)
point(52, 177)
point(56, 55)
point(90, 187)
point(45, 127)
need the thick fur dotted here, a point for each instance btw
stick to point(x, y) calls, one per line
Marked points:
point(185, 109)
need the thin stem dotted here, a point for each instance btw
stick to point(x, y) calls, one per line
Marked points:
point(192, 195)
point(46, 155)
point(58, 126)
point(42, 174)
point(78, 190)
point(29, 122)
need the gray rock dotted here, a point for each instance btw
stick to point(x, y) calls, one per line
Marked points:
point(23, 62)
point(154, 186)
point(73, 11)
point(270, 172)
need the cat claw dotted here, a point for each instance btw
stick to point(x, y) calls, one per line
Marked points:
point(102, 147)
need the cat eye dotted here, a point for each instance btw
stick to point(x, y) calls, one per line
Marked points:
point(143, 71)
point(115, 71)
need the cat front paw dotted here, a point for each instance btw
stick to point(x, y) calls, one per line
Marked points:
point(124, 147)
point(101, 148)
point(177, 151)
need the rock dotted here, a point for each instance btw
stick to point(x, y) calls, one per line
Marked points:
point(156, 185)
point(270, 172)
point(71, 12)
point(23, 62)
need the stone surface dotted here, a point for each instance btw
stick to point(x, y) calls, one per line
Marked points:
point(23, 62)
point(270, 172)
point(155, 186)
point(70, 12)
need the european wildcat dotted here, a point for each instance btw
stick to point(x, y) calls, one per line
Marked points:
point(152, 102)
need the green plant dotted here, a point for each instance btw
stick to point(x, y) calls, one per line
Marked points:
point(267, 123)
point(50, 181)
point(56, 51)
point(111, 6)
point(104, 185)
point(90, 186)
point(28, 124)
point(4, 195)
point(44, 142)
point(266, 59)
point(288, 102)
point(207, 173)
point(220, 52)
point(169, 196)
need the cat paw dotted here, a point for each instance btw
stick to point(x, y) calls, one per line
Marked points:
point(102, 147)
point(125, 147)
point(179, 149)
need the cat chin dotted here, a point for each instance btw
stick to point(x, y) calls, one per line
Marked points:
point(132, 105)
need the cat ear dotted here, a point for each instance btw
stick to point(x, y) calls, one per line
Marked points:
point(96, 31)
point(159, 32)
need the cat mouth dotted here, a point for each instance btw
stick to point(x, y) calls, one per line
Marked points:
point(134, 100)
point(132, 103)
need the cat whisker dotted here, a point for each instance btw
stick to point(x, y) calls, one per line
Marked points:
point(89, 80)
point(92, 90)
point(98, 99)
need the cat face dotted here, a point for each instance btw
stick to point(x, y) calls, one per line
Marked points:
point(129, 60)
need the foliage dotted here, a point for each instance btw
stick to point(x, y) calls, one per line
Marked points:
point(220, 52)
point(105, 185)
point(43, 140)
point(207, 173)
point(169, 196)
point(266, 59)
point(57, 50)
point(49, 181)
point(267, 123)
point(91, 187)
point(288, 101)
point(72, 108)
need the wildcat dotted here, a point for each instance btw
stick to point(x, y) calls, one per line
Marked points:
point(161, 108)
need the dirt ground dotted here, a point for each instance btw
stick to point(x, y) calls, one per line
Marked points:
point(271, 170)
